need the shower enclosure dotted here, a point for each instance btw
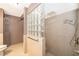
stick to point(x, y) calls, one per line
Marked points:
point(51, 27)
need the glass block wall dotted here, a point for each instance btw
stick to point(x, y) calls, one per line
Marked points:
point(35, 23)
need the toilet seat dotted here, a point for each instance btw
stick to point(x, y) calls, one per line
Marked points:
point(3, 47)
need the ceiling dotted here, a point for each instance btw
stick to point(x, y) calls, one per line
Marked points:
point(15, 9)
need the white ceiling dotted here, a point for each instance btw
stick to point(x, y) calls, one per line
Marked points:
point(15, 9)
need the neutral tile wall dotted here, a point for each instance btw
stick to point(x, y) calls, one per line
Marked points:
point(15, 30)
point(59, 34)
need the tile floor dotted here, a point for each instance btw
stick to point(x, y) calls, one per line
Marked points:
point(48, 53)
point(15, 50)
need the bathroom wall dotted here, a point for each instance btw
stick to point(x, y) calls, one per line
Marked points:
point(59, 8)
point(77, 32)
point(59, 34)
point(25, 31)
point(60, 30)
point(14, 33)
point(1, 26)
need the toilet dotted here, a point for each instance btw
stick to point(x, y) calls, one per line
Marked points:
point(2, 49)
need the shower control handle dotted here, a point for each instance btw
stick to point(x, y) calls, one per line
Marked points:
point(77, 41)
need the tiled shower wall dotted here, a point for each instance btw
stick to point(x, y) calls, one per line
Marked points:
point(59, 33)
point(13, 30)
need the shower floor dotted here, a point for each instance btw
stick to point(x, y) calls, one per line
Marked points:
point(15, 50)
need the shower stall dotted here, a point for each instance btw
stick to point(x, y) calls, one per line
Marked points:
point(62, 29)
point(52, 28)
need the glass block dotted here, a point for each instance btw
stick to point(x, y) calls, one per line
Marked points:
point(35, 28)
point(39, 28)
point(39, 34)
point(35, 23)
point(35, 33)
